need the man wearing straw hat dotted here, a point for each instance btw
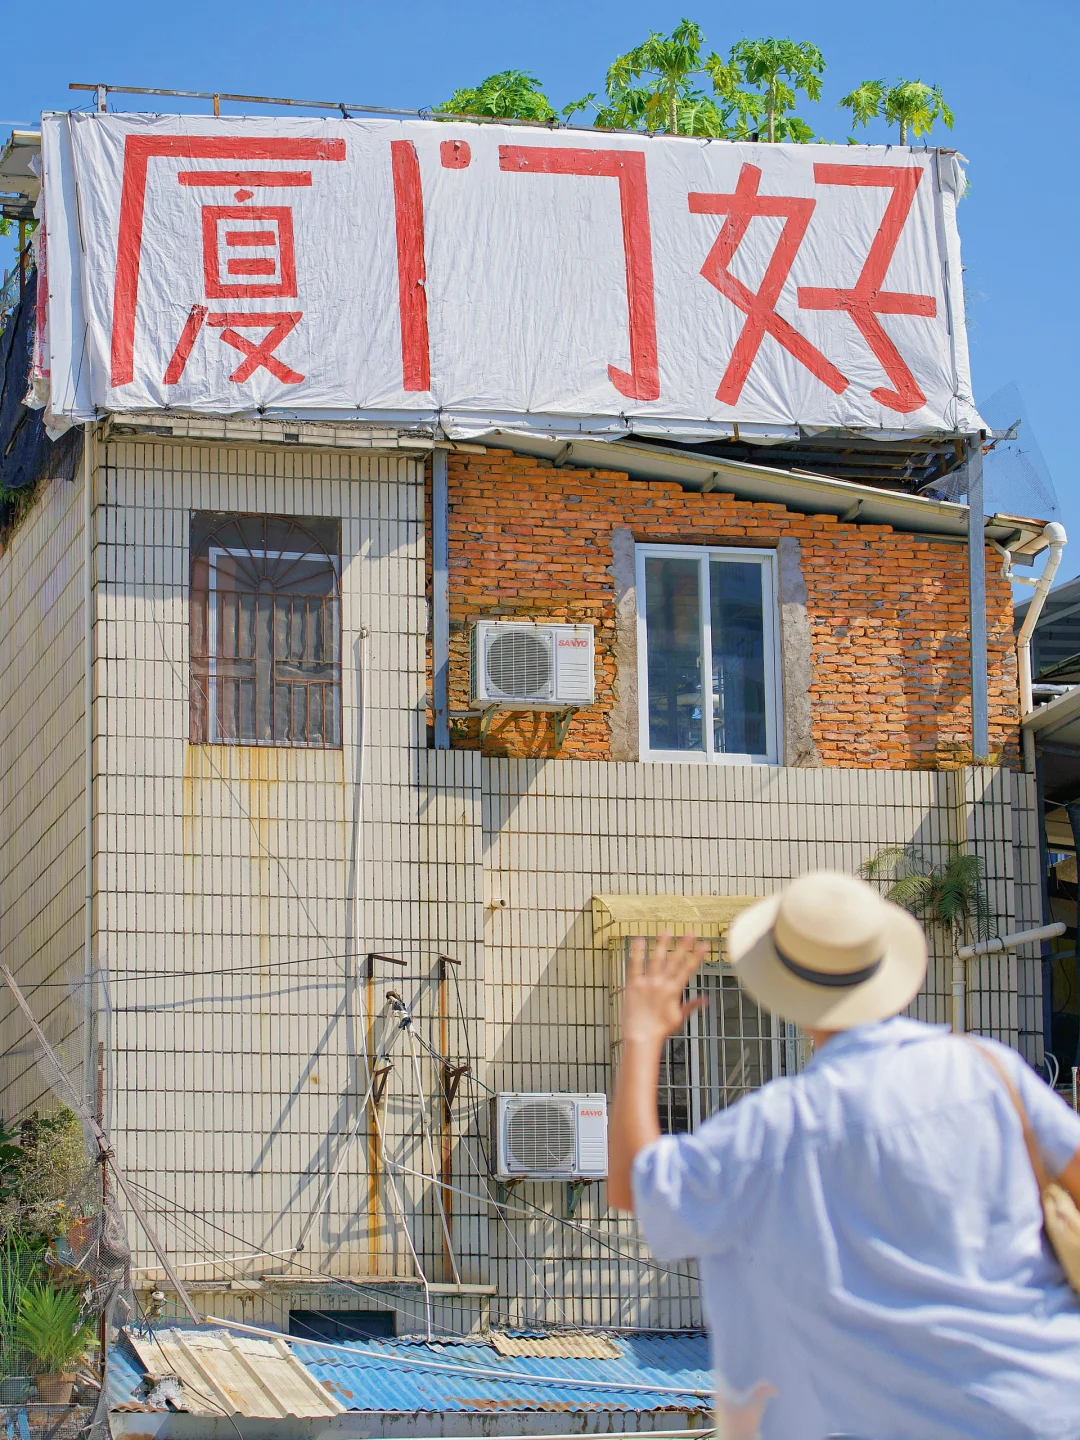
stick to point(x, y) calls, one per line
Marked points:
point(869, 1233)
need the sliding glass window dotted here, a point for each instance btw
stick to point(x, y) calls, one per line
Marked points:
point(707, 651)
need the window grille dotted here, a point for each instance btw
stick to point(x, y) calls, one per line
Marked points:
point(726, 1049)
point(265, 621)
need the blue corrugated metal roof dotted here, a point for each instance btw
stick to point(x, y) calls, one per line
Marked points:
point(469, 1375)
point(373, 1381)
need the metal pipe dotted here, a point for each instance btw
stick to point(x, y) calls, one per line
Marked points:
point(999, 943)
point(345, 107)
point(1055, 535)
point(217, 96)
point(980, 703)
point(88, 725)
point(1011, 941)
point(440, 597)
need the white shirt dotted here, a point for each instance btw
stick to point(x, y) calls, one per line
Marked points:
point(870, 1244)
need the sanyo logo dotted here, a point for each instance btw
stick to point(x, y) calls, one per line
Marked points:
point(568, 642)
point(595, 1114)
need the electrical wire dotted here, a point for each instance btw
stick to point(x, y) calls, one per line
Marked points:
point(426, 1133)
point(441, 1071)
point(170, 1209)
point(130, 975)
point(535, 1212)
point(201, 1394)
point(400, 1216)
point(382, 1053)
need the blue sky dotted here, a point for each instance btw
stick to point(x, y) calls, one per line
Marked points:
point(1008, 71)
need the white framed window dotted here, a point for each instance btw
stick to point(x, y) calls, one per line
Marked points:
point(708, 654)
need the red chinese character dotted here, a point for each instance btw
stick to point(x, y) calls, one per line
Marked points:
point(249, 252)
point(642, 380)
point(868, 300)
point(760, 307)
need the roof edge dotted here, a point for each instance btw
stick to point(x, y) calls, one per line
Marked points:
point(802, 492)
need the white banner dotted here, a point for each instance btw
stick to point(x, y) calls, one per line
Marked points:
point(495, 276)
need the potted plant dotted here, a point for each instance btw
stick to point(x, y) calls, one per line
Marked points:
point(52, 1331)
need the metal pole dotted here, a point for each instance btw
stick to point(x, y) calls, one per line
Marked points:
point(980, 704)
point(440, 597)
point(107, 1154)
point(1073, 812)
point(89, 604)
point(103, 1322)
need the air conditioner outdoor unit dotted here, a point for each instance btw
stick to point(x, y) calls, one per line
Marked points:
point(551, 1137)
point(532, 667)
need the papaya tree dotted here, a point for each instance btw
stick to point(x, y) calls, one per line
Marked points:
point(778, 70)
point(656, 86)
point(911, 105)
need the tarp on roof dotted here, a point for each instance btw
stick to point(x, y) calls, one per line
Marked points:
point(481, 275)
point(26, 452)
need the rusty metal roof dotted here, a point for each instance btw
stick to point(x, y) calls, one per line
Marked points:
point(563, 1345)
point(269, 1377)
point(371, 1380)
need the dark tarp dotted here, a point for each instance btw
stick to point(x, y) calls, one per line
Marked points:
point(26, 452)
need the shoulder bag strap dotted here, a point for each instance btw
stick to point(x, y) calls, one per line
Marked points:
point(1042, 1175)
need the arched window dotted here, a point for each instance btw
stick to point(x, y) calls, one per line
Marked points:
point(265, 630)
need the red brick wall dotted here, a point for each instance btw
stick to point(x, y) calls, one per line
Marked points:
point(888, 611)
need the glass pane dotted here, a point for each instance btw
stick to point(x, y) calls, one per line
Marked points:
point(673, 641)
point(738, 658)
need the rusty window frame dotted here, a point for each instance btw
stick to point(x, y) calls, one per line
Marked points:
point(265, 645)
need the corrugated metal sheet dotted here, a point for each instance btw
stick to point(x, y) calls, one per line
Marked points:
point(372, 1381)
point(570, 1345)
point(706, 915)
point(234, 1374)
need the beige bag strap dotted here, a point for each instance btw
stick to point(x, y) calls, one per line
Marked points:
point(1038, 1165)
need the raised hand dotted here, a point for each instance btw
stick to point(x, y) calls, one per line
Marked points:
point(653, 1005)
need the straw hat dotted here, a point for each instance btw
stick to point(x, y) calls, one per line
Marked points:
point(829, 952)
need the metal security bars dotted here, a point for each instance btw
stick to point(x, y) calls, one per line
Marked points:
point(728, 1048)
point(265, 621)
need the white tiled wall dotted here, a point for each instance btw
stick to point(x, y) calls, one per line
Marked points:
point(42, 784)
point(232, 906)
point(558, 832)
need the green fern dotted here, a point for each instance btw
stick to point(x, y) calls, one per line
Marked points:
point(51, 1329)
point(951, 894)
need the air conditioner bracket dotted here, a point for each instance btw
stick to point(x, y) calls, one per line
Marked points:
point(379, 1082)
point(485, 721)
point(574, 1190)
point(561, 721)
point(503, 1189)
point(452, 1078)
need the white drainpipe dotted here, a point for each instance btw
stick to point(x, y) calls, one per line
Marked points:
point(1055, 534)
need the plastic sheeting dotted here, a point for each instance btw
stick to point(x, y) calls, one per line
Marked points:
point(431, 272)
